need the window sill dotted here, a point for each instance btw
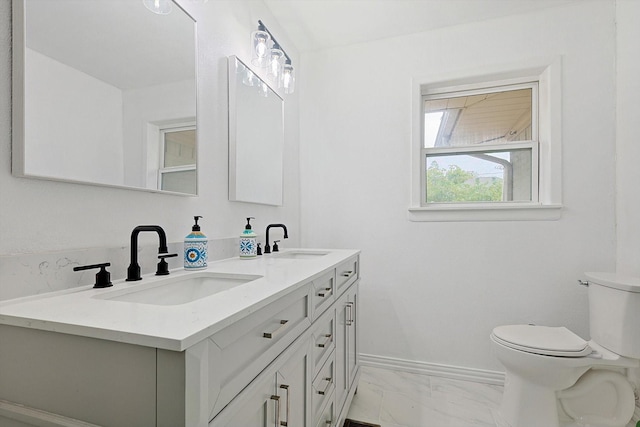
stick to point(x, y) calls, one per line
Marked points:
point(484, 212)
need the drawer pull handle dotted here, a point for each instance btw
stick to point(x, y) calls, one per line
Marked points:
point(276, 398)
point(347, 273)
point(286, 388)
point(326, 292)
point(328, 339)
point(349, 316)
point(329, 381)
point(270, 335)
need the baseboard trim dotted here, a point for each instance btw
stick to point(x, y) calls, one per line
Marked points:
point(434, 369)
point(37, 417)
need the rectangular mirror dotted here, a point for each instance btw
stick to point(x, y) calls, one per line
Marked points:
point(105, 93)
point(256, 138)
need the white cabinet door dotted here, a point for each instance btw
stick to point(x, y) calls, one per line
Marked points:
point(293, 383)
point(351, 324)
point(259, 407)
point(278, 397)
point(347, 346)
point(341, 350)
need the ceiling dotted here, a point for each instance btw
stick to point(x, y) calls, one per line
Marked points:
point(119, 42)
point(320, 24)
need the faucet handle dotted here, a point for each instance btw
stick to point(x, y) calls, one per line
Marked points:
point(103, 277)
point(275, 246)
point(258, 250)
point(163, 267)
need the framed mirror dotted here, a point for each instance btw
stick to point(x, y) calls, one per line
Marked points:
point(104, 93)
point(256, 138)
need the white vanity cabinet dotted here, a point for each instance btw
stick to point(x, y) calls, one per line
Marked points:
point(277, 397)
point(291, 362)
point(313, 381)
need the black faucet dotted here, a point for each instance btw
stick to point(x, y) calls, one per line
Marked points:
point(267, 248)
point(133, 272)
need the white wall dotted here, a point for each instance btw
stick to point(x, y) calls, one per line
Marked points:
point(627, 142)
point(93, 137)
point(157, 105)
point(433, 292)
point(41, 216)
point(627, 138)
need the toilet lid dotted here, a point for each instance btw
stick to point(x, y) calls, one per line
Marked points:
point(545, 340)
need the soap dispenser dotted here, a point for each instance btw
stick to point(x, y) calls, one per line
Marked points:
point(248, 241)
point(195, 248)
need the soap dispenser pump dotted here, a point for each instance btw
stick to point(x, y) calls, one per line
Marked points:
point(195, 248)
point(248, 241)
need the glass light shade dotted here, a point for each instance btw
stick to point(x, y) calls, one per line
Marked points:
point(260, 48)
point(249, 79)
point(288, 79)
point(263, 89)
point(274, 68)
point(161, 7)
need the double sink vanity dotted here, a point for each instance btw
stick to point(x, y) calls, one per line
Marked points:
point(271, 341)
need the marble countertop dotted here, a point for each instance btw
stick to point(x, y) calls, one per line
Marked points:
point(81, 311)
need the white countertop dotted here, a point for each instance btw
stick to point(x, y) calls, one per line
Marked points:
point(172, 327)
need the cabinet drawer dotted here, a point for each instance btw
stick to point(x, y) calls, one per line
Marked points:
point(323, 293)
point(238, 353)
point(323, 336)
point(322, 388)
point(328, 414)
point(346, 273)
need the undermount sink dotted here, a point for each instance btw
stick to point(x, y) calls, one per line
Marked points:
point(300, 254)
point(180, 289)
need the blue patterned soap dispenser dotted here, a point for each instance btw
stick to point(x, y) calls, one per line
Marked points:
point(195, 248)
point(248, 241)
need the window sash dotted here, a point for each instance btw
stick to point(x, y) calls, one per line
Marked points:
point(523, 145)
point(479, 89)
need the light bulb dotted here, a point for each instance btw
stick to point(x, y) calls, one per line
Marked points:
point(263, 89)
point(161, 7)
point(260, 46)
point(275, 64)
point(249, 79)
point(288, 78)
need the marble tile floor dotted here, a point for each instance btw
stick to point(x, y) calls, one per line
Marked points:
point(401, 399)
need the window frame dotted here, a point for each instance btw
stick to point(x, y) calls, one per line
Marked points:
point(480, 89)
point(162, 169)
point(547, 72)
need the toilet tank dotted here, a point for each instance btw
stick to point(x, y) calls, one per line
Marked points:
point(614, 312)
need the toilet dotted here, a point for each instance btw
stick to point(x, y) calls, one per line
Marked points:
point(554, 378)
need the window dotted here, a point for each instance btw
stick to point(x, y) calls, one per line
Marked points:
point(487, 147)
point(177, 170)
point(481, 145)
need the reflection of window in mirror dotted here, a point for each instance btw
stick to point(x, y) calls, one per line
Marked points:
point(177, 171)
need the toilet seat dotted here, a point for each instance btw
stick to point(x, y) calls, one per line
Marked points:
point(543, 340)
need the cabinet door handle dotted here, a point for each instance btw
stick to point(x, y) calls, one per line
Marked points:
point(286, 388)
point(328, 339)
point(270, 335)
point(325, 292)
point(347, 273)
point(326, 389)
point(277, 404)
point(349, 319)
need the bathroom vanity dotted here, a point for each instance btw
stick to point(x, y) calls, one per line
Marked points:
point(267, 341)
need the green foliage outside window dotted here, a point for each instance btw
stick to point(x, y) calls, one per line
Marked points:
point(457, 185)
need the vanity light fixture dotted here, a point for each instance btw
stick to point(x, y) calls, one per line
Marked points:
point(267, 53)
point(161, 7)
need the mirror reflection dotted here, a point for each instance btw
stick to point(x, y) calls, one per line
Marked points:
point(108, 95)
point(256, 137)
